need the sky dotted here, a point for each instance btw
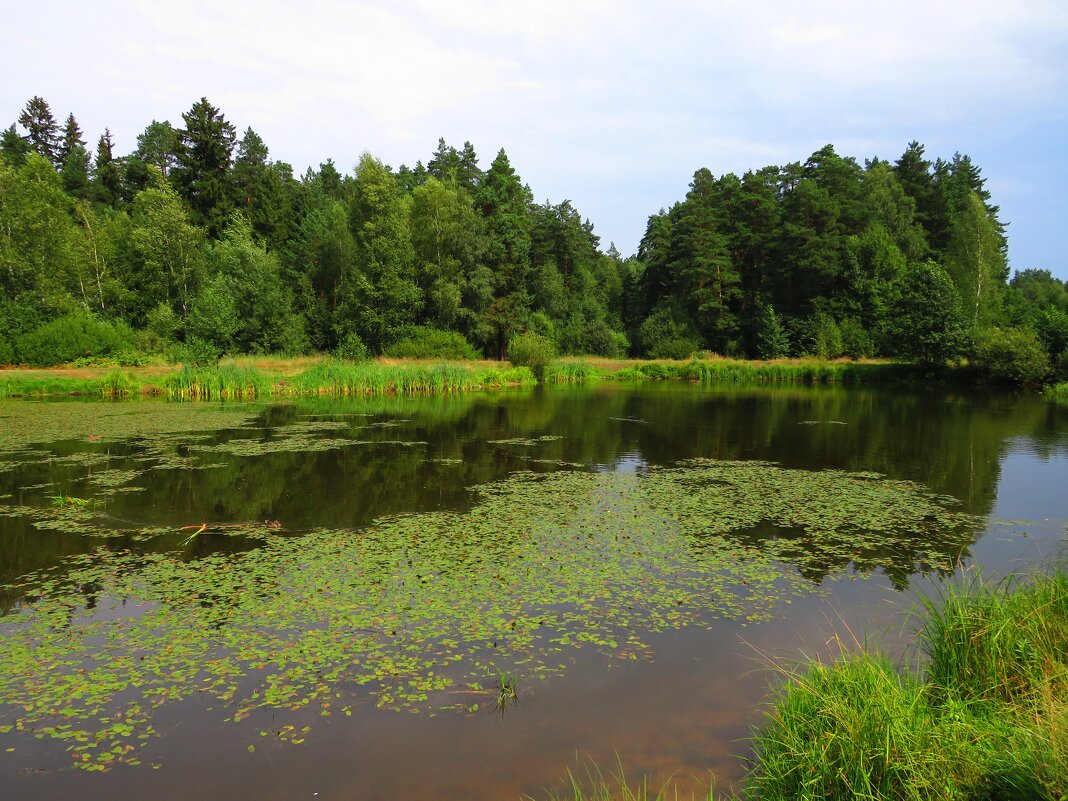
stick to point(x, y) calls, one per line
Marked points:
point(612, 105)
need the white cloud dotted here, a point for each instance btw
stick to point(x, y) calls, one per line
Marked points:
point(627, 98)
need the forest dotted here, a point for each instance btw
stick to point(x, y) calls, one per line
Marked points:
point(198, 244)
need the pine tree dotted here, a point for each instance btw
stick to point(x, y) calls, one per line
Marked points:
point(202, 175)
point(42, 132)
point(106, 182)
point(13, 147)
point(72, 138)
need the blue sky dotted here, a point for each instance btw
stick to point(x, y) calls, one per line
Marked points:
point(612, 105)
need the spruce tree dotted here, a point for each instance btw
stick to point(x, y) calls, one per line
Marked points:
point(42, 132)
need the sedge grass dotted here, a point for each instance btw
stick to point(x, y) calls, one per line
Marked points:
point(986, 719)
point(115, 384)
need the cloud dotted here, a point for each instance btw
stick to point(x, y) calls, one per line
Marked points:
point(615, 101)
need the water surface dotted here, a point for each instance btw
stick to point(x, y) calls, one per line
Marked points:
point(634, 559)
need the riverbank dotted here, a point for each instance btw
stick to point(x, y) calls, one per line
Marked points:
point(985, 716)
point(249, 377)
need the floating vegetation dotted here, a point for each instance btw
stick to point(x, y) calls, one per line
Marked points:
point(524, 440)
point(34, 422)
point(114, 478)
point(416, 606)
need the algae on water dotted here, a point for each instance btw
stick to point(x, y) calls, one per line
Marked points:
point(416, 607)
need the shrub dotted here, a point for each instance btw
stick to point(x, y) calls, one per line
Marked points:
point(198, 352)
point(668, 333)
point(856, 342)
point(826, 337)
point(7, 352)
point(352, 349)
point(1051, 325)
point(1010, 355)
point(432, 343)
point(71, 337)
point(675, 348)
point(533, 351)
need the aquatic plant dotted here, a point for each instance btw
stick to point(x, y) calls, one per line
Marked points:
point(414, 607)
point(571, 372)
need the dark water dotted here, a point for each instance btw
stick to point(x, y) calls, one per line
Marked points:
point(683, 712)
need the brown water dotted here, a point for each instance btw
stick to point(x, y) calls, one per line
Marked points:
point(684, 711)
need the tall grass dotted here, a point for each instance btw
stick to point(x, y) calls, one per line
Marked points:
point(224, 382)
point(733, 371)
point(568, 372)
point(595, 786)
point(987, 718)
point(115, 384)
point(1059, 392)
point(339, 378)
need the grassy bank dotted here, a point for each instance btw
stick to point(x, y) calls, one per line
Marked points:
point(259, 377)
point(983, 718)
point(1059, 392)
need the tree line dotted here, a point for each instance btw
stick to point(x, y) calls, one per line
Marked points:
point(199, 240)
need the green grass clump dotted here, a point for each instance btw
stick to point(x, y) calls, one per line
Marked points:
point(571, 373)
point(113, 385)
point(595, 786)
point(224, 382)
point(1059, 392)
point(371, 378)
point(988, 720)
point(736, 371)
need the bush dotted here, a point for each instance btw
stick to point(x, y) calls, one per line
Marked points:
point(826, 337)
point(533, 351)
point(668, 333)
point(352, 349)
point(1010, 355)
point(198, 352)
point(675, 348)
point(7, 352)
point(432, 343)
point(856, 342)
point(601, 340)
point(72, 337)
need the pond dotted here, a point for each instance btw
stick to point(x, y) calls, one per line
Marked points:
point(465, 596)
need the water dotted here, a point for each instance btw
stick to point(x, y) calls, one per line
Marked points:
point(382, 473)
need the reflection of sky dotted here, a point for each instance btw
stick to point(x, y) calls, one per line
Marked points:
point(1033, 489)
point(1033, 486)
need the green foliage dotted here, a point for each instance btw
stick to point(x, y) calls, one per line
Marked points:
point(1010, 355)
point(856, 342)
point(1051, 325)
point(668, 334)
point(72, 337)
point(989, 720)
point(197, 352)
point(531, 350)
point(925, 322)
point(826, 337)
point(772, 340)
point(431, 343)
point(352, 349)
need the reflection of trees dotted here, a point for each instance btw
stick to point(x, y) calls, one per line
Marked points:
point(951, 441)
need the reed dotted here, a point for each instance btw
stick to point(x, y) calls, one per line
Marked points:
point(224, 382)
point(569, 372)
point(115, 384)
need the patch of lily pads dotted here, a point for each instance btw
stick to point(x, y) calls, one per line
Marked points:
point(415, 611)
